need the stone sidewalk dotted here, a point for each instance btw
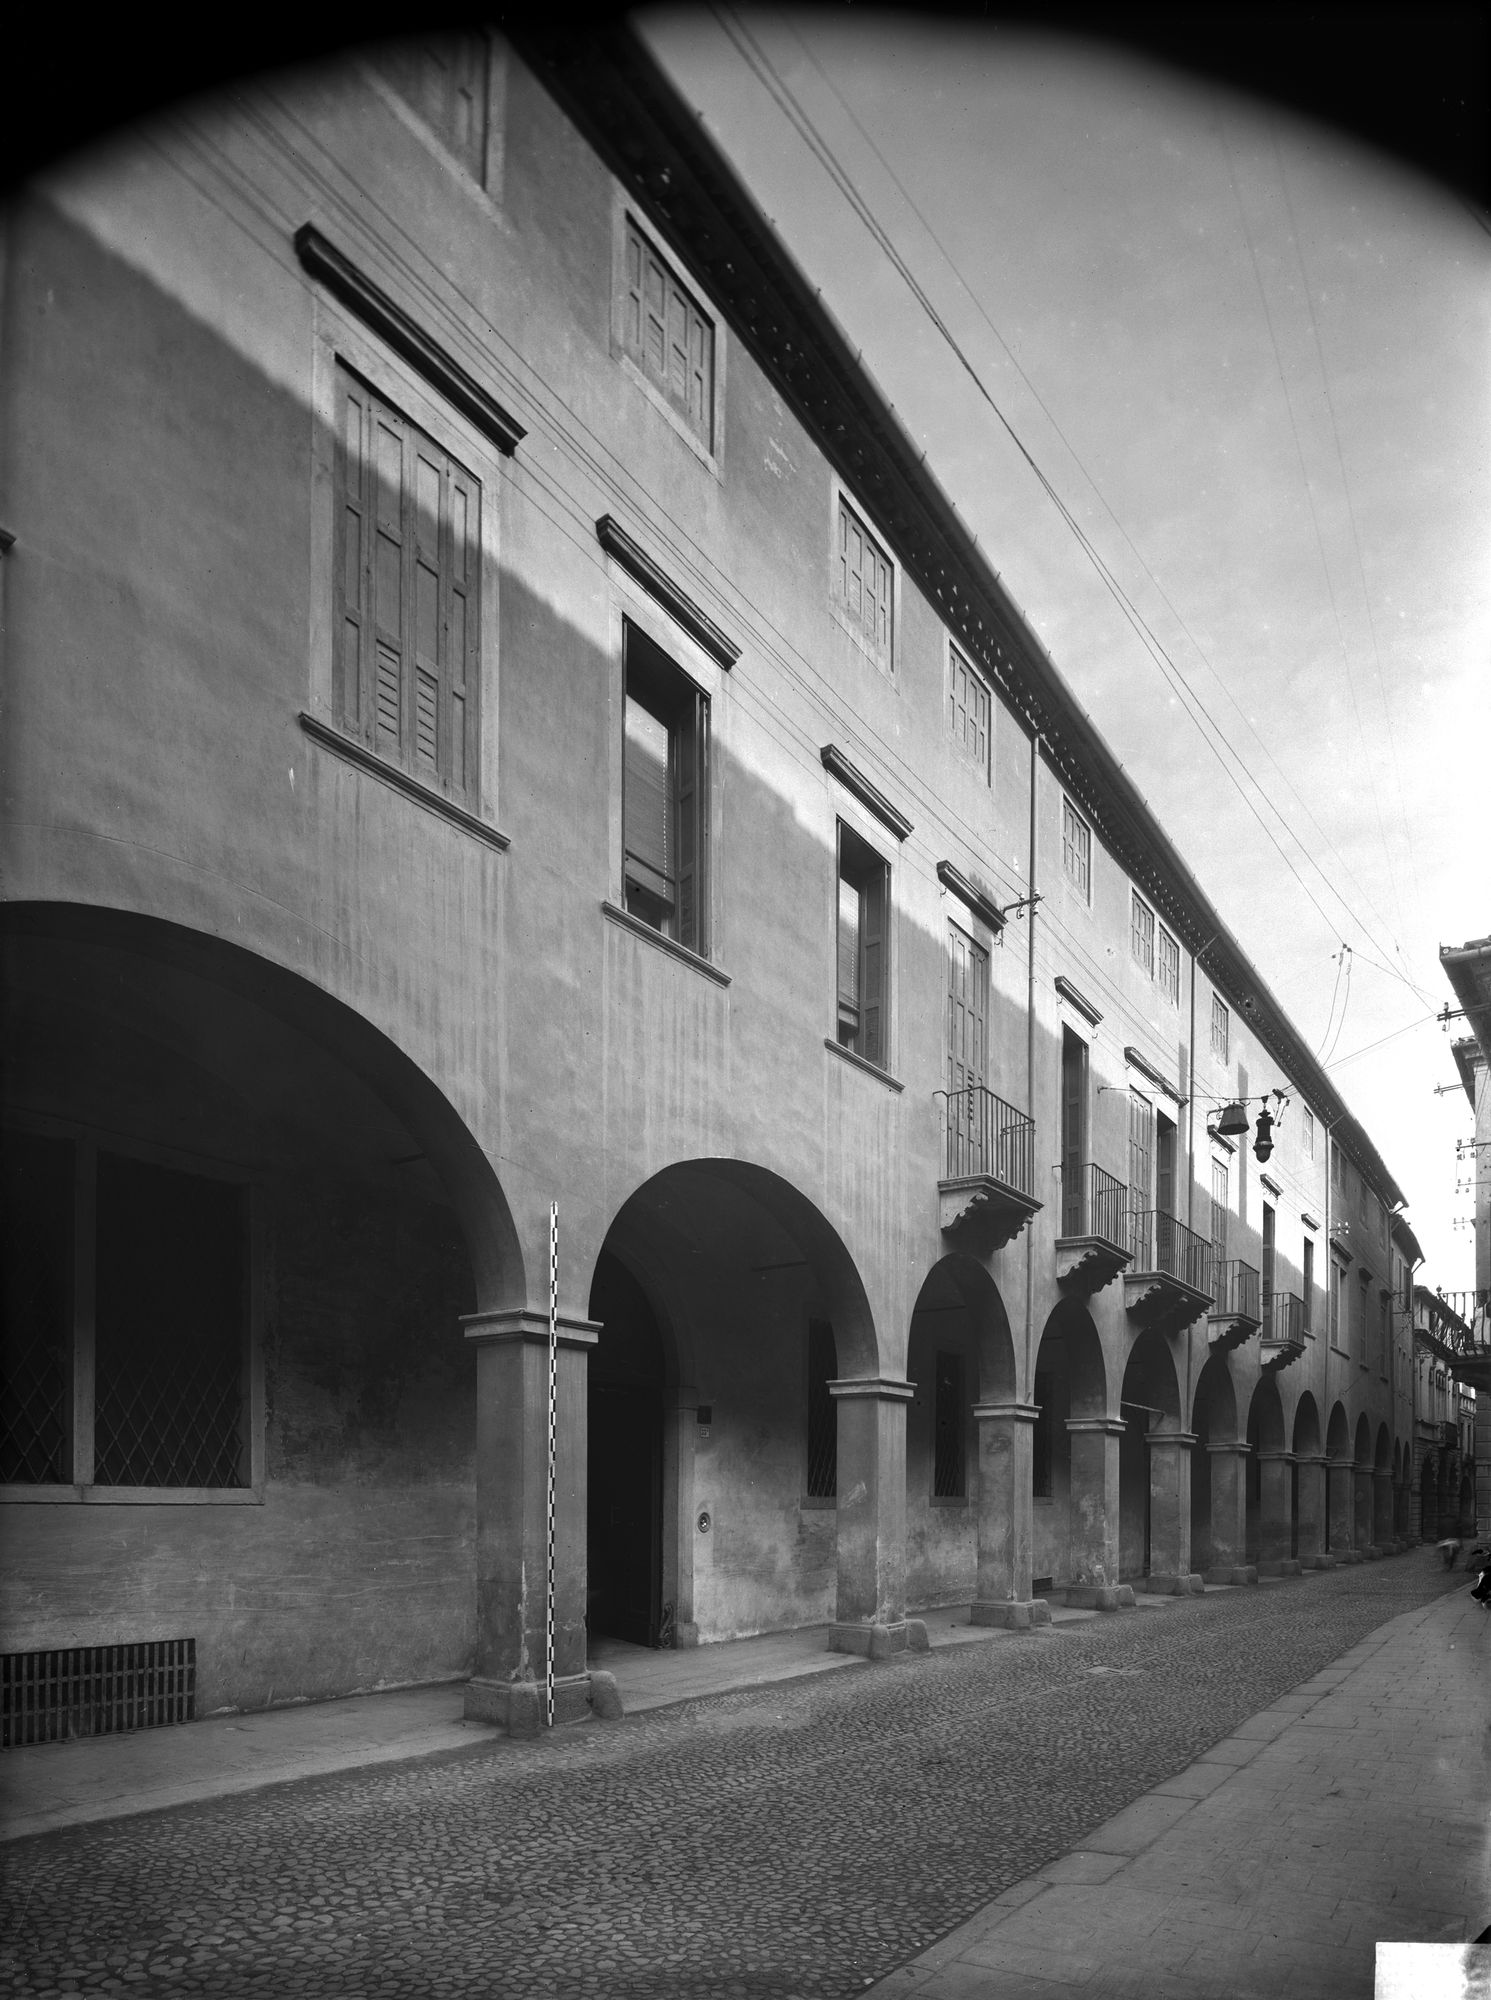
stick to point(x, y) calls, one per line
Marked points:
point(1353, 1810)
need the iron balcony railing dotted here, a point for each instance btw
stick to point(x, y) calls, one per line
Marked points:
point(1161, 1243)
point(987, 1136)
point(1284, 1318)
point(1093, 1203)
point(1237, 1291)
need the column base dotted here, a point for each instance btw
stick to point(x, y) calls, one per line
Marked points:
point(1320, 1560)
point(1280, 1566)
point(518, 1706)
point(880, 1642)
point(1346, 1555)
point(1233, 1573)
point(1096, 1596)
point(1371, 1553)
point(1015, 1615)
point(1185, 1584)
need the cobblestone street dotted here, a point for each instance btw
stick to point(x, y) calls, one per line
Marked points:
point(796, 1840)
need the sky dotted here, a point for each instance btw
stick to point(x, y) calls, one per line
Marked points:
point(1252, 358)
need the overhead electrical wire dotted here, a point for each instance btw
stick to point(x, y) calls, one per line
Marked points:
point(781, 93)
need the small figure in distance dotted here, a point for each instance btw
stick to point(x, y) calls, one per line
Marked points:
point(1450, 1548)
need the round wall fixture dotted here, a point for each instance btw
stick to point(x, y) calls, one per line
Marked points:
point(705, 1523)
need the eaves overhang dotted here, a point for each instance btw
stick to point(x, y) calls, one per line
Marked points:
point(617, 95)
point(1468, 969)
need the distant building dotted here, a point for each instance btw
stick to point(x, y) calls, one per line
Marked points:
point(498, 713)
point(1468, 969)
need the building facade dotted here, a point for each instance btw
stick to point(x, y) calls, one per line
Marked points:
point(526, 813)
point(1468, 969)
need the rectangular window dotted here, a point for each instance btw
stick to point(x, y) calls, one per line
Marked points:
point(823, 1421)
point(444, 79)
point(1384, 1336)
point(863, 969)
point(149, 1388)
point(949, 1456)
point(1141, 932)
point(864, 583)
point(969, 1134)
point(665, 795)
point(1338, 1300)
point(1141, 1151)
point(1360, 1347)
point(1042, 1433)
point(1268, 1263)
point(668, 335)
point(1169, 967)
point(1361, 1199)
point(1076, 848)
point(1307, 1131)
point(408, 528)
point(1338, 1167)
point(1221, 1209)
point(1220, 1028)
point(971, 707)
point(1164, 1165)
point(1309, 1283)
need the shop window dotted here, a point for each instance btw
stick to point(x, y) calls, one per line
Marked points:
point(668, 334)
point(665, 795)
point(949, 1448)
point(126, 1343)
point(863, 919)
point(408, 594)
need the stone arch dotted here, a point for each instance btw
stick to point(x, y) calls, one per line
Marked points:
point(167, 984)
point(1071, 1530)
point(1383, 1458)
point(1306, 1427)
point(1268, 1530)
point(1148, 1475)
point(741, 1305)
point(1429, 1498)
point(1338, 1434)
point(1266, 1416)
point(1362, 1442)
point(1213, 1421)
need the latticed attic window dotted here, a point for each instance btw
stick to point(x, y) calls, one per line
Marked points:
point(864, 582)
point(444, 79)
point(1141, 933)
point(166, 1344)
point(970, 705)
point(823, 1422)
point(1168, 971)
point(668, 334)
point(1076, 848)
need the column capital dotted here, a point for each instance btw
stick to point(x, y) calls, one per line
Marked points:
point(1276, 1458)
point(1152, 1438)
point(1023, 1413)
point(1107, 1426)
point(517, 1323)
point(1311, 1458)
point(1238, 1447)
point(880, 1388)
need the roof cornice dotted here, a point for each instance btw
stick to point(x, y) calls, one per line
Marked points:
point(612, 88)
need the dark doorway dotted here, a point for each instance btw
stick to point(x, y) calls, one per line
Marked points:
point(624, 1517)
point(1073, 1132)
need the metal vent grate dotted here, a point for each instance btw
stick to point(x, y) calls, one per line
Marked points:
point(95, 1690)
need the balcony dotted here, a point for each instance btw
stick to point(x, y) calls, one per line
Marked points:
point(1093, 1246)
point(1237, 1313)
point(1283, 1338)
point(986, 1195)
point(1169, 1282)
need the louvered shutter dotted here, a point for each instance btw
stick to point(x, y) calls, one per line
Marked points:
point(461, 569)
point(353, 582)
point(873, 1012)
point(389, 721)
point(646, 808)
point(689, 759)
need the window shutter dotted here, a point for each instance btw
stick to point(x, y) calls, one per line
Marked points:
point(648, 835)
point(849, 929)
point(872, 967)
point(353, 577)
point(431, 729)
point(388, 720)
point(688, 753)
point(461, 569)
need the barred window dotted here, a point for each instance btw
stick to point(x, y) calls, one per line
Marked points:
point(823, 1421)
point(151, 1388)
point(1076, 848)
point(949, 1456)
point(1221, 1025)
point(1141, 933)
point(970, 704)
point(864, 582)
point(668, 334)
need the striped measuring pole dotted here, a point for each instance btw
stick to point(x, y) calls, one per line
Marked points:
point(553, 1400)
